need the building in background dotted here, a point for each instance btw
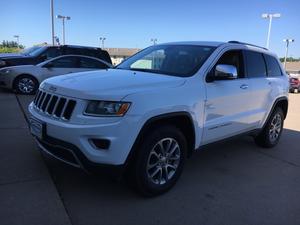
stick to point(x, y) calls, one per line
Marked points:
point(119, 54)
point(293, 67)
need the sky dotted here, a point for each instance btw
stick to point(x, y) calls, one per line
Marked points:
point(132, 23)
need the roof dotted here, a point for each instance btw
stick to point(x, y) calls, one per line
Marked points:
point(203, 43)
point(122, 51)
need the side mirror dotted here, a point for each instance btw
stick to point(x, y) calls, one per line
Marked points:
point(224, 71)
point(49, 65)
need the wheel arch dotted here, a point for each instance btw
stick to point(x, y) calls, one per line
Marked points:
point(24, 75)
point(182, 120)
point(281, 102)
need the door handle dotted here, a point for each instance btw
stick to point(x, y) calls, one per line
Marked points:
point(244, 86)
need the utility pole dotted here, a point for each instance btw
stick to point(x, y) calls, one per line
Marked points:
point(102, 39)
point(63, 23)
point(270, 17)
point(154, 40)
point(52, 22)
point(17, 37)
point(287, 41)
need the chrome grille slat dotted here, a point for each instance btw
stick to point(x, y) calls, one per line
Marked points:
point(41, 100)
point(47, 106)
point(38, 97)
point(55, 106)
point(64, 108)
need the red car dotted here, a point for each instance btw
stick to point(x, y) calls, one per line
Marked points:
point(294, 84)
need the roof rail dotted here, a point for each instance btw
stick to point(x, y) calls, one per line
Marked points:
point(243, 43)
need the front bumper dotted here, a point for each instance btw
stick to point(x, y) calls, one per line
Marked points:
point(5, 81)
point(72, 155)
point(121, 132)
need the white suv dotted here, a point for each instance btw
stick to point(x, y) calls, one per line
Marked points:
point(160, 105)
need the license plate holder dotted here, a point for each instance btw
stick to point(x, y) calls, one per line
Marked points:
point(37, 128)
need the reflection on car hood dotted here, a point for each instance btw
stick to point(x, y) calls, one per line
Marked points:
point(111, 84)
point(10, 55)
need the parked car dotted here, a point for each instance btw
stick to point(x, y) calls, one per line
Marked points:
point(26, 79)
point(159, 106)
point(294, 84)
point(38, 54)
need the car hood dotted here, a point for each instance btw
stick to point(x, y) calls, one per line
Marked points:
point(111, 84)
point(11, 56)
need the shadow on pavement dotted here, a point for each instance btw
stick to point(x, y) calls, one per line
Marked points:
point(233, 182)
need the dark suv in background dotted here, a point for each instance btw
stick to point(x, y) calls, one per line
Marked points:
point(38, 54)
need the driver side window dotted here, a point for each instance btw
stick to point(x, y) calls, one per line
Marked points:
point(233, 58)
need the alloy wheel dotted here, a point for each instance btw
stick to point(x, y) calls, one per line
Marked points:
point(275, 127)
point(163, 161)
point(26, 85)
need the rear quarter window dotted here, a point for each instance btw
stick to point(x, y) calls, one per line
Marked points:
point(273, 68)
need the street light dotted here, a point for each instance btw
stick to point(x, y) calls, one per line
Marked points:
point(17, 37)
point(270, 17)
point(102, 39)
point(287, 41)
point(63, 22)
point(154, 40)
point(52, 22)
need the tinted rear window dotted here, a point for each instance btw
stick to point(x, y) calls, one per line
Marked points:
point(273, 67)
point(256, 66)
point(97, 53)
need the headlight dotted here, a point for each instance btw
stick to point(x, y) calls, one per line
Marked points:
point(106, 108)
point(2, 63)
point(5, 71)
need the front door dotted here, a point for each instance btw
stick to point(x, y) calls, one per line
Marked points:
point(226, 107)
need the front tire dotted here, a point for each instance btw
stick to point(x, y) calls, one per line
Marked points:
point(160, 159)
point(271, 133)
point(26, 85)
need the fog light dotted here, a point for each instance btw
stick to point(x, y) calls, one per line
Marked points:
point(101, 143)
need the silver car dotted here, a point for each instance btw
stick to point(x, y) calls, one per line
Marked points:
point(25, 79)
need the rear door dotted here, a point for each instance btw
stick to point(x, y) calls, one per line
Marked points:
point(86, 64)
point(226, 108)
point(61, 66)
point(260, 99)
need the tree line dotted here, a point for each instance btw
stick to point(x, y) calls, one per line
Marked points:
point(10, 46)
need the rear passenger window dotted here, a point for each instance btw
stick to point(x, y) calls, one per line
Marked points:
point(91, 63)
point(256, 66)
point(273, 67)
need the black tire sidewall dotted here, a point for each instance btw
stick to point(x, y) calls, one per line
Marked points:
point(144, 185)
point(268, 125)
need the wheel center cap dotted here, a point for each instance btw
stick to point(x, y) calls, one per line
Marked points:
point(163, 159)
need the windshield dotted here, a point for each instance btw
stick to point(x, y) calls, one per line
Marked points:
point(175, 60)
point(27, 51)
point(33, 51)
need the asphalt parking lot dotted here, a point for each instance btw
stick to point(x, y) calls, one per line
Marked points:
point(229, 183)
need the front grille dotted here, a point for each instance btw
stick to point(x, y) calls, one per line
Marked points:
point(54, 105)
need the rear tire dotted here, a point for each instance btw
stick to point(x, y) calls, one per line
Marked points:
point(159, 161)
point(271, 133)
point(25, 84)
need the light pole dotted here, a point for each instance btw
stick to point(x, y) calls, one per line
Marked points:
point(52, 22)
point(17, 37)
point(63, 23)
point(270, 17)
point(154, 40)
point(287, 41)
point(102, 39)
